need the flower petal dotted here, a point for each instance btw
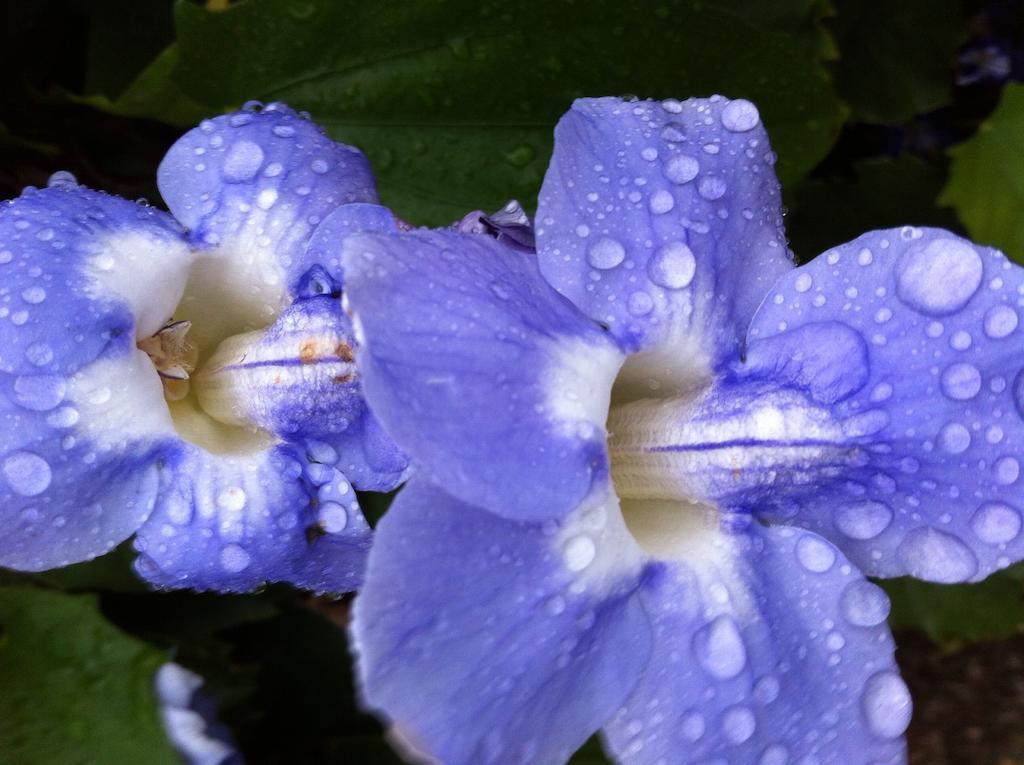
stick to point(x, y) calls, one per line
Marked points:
point(481, 372)
point(189, 718)
point(932, 399)
point(233, 523)
point(776, 653)
point(664, 221)
point(84, 425)
point(256, 185)
point(481, 639)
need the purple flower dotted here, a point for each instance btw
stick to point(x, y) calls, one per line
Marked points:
point(656, 461)
point(192, 381)
point(188, 716)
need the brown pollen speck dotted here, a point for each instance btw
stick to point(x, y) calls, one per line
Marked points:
point(307, 351)
point(344, 352)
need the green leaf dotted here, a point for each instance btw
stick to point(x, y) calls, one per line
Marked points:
point(989, 610)
point(73, 689)
point(455, 101)
point(878, 193)
point(123, 37)
point(896, 58)
point(986, 183)
point(153, 94)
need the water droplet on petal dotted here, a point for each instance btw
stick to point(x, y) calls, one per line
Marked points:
point(661, 202)
point(776, 754)
point(1000, 321)
point(333, 517)
point(606, 253)
point(640, 303)
point(955, 438)
point(928, 553)
point(803, 282)
point(718, 647)
point(711, 187)
point(26, 473)
point(886, 705)
point(815, 554)
point(40, 393)
point(961, 382)
point(864, 604)
point(681, 168)
point(738, 724)
point(996, 523)
point(579, 553)
point(766, 690)
point(1007, 470)
point(863, 520)
point(740, 116)
point(242, 161)
point(234, 559)
point(673, 266)
point(939, 278)
point(692, 726)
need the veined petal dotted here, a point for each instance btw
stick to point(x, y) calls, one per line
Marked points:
point(255, 185)
point(931, 399)
point(298, 380)
point(770, 650)
point(84, 426)
point(233, 523)
point(486, 640)
point(663, 221)
point(481, 372)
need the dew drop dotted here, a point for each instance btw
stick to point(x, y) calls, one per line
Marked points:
point(266, 199)
point(740, 116)
point(955, 438)
point(711, 187)
point(579, 552)
point(1007, 470)
point(1000, 321)
point(719, 648)
point(661, 202)
point(333, 517)
point(939, 278)
point(928, 553)
point(39, 393)
point(863, 520)
point(640, 303)
point(803, 282)
point(738, 724)
point(886, 705)
point(242, 162)
point(692, 726)
point(606, 253)
point(961, 381)
point(673, 266)
point(864, 604)
point(766, 689)
point(26, 473)
point(682, 168)
point(996, 523)
point(234, 559)
point(815, 554)
point(776, 754)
